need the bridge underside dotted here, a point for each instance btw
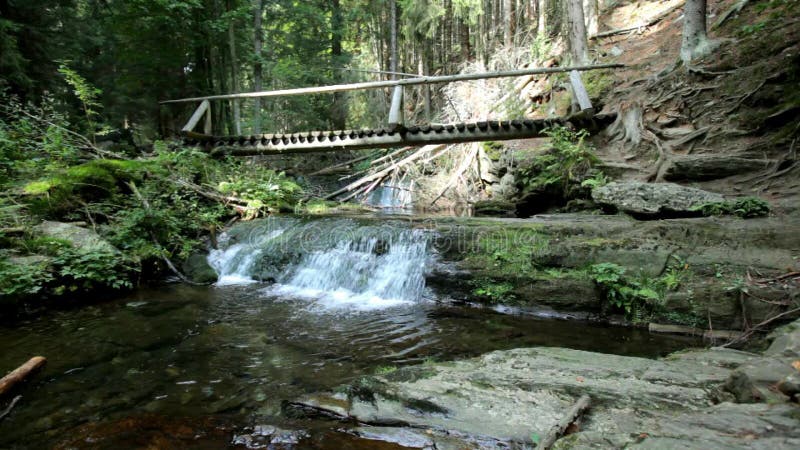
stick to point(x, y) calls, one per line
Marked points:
point(326, 141)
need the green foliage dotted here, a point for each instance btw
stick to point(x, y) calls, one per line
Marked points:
point(385, 370)
point(638, 297)
point(79, 270)
point(566, 166)
point(746, 208)
point(493, 292)
point(86, 93)
point(597, 180)
point(21, 280)
point(66, 271)
point(264, 190)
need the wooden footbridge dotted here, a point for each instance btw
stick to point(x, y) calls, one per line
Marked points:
point(395, 133)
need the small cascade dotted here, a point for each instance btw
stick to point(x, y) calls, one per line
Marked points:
point(234, 262)
point(370, 271)
point(337, 263)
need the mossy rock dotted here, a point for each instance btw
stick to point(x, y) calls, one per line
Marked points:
point(196, 267)
point(495, 208)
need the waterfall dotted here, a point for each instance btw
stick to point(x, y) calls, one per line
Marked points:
point(393, 195)
point(336, 263)
point(234, 262)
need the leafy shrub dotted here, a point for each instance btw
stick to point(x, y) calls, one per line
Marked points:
point(492, 291)
point(565, 167)
point(746, 208)
point(639, 297)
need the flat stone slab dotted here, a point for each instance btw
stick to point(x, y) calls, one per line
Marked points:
point(510, 399)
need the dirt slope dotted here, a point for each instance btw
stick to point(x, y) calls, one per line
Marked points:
point(729, 124)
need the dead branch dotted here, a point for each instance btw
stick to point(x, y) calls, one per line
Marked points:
point(382, 173)
point(10, 407)
point(657, 18)
point(344, 165)
point(558, 429)
point(759, 326)
point(163, 252)
point(84, 140)
point(466, 163)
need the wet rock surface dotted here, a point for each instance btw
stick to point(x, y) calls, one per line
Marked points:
point(653, 200)
point(512, 398)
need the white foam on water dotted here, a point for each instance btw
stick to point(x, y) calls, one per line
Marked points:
point(234, 264)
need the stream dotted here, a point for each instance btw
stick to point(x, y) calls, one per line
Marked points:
point(342, 299)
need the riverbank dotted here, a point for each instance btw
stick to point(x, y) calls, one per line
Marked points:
point(696, 399)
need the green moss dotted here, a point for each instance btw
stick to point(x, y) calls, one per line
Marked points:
point(493, 149)
point(598, 83)
point(41, 187)
point(511, 250)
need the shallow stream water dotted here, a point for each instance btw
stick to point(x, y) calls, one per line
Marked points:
point(193, 367)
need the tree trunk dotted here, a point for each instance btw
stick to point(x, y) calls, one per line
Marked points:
point(339, 107)
point(541, 10)
point(258, 10)
point(695, 39)
point(578, 43)
point(234, 63)
point(508, 22)
point(393, 38)
point(590, 12)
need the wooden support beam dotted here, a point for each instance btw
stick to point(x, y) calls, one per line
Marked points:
point(198, 114)
point(207, 129)
point(393, 83)
point(579, 90)
point(396, 110)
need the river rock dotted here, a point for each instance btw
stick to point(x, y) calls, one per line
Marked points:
point(80, 238)
point(196, 267)
point(511, 398)
point(711, 167)
point(653, 200)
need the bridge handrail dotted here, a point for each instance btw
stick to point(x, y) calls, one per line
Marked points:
point(393, 83)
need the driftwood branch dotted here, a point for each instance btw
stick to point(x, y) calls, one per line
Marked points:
point(20, 373)
point(558, 429)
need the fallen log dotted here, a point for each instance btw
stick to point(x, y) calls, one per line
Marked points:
point(558, 429)
point(658, 18)
point(20, 373)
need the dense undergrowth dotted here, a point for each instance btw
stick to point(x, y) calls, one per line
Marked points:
point(157, 206)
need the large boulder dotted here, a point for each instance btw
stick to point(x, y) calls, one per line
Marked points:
point(81, 238)
point(653, 200)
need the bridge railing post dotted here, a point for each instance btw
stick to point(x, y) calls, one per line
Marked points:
point(396, 109)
